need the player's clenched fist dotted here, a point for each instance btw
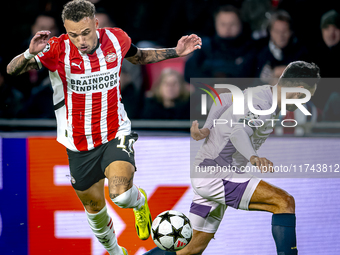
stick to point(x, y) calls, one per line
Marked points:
point(39, 42)
point(264, 164)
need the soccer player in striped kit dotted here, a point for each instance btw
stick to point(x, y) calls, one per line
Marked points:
point(85, 67)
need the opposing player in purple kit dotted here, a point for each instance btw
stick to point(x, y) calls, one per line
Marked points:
point(235, 146)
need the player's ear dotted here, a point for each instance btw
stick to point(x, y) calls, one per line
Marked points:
point(97, 23)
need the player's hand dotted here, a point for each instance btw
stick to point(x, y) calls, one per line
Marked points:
point(39, 42)
point(188, 44)
point(264, 164)
point(198, 134)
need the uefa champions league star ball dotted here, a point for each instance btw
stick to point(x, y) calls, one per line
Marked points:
point(171, 230)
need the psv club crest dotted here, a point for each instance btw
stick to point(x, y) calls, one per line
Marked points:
point(111, 57)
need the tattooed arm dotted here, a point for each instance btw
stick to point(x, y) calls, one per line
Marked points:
point(20, 64)
point(185, 46)
point(147, 56)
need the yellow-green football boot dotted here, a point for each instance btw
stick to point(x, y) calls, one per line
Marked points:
point(143, 219)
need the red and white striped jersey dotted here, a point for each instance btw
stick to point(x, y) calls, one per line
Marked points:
point(86, 89)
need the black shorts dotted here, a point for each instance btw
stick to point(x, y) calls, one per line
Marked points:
point(88, 167)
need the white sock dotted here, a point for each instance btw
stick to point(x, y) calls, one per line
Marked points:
point(102, 227)
point(131, 198)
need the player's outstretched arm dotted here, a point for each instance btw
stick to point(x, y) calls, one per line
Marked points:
point(185, 46)
point(25, 61)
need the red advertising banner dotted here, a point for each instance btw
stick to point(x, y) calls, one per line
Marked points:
point(57, 222)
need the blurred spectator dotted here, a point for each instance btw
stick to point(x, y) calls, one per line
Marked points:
point(170, 99)
point(306, 15)
point(187, 17)
point(255, 12)
point(130, 85)
point(330, 28)
point(332, 108)
point(10, 98)
point(131, 76)
point(142, 20)
point(282, 48)
point(45, 21)
point(104, 19)
point(27, 81)
point(327, 56)
point(230, 53)
point(40, 103)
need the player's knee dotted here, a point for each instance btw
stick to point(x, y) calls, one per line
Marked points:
point(290, 202)
point(123, 199)
point(115, 192)
point(120, 199)
point(286, 204)
point(93, 206)
point(119, 185)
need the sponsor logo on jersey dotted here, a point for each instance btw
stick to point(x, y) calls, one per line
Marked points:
point(96, 82)
point(111, 57)
point(78, 65)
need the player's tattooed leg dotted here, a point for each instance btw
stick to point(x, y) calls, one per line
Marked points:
point(119, 184)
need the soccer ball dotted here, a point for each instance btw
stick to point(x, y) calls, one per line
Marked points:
point(171, 230)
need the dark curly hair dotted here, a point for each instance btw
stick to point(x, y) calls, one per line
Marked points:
point(300, 72)
point(76, 10)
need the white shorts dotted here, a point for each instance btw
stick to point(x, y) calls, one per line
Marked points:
point(213, 195)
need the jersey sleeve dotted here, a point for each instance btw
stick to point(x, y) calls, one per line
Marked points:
point(242, 131)
point(49, 56)
point(123, 38)
point(241, 141)
point(245, 127)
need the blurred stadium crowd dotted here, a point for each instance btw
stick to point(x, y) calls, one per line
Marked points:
point(241, 38)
